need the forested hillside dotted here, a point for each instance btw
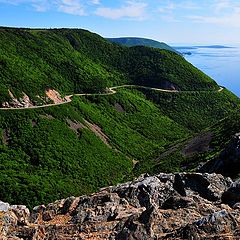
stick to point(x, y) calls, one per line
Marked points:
point(99, 140)
point(215, 149)
point(134, 41)
point(96, 141)
point(75, 61)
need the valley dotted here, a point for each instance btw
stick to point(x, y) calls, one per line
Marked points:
point(79, 114)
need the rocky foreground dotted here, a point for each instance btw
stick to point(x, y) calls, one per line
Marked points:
point(165, 206)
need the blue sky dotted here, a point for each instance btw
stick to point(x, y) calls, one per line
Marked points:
point(171, 21)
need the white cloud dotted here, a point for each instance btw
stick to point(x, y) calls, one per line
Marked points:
point(171, 6)
point(41, 6)
point(232, 20)
point(132, 9)
point(224, 13)
point(167, 8)
point(218, 12)
point(170, 10)
point(95, 2)
point(14, 2)
point(190, 5)
point(221, 5)
point(74, 7)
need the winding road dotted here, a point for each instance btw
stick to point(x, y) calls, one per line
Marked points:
point(110, 91)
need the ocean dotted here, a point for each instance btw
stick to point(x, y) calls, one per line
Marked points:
point(222, 63)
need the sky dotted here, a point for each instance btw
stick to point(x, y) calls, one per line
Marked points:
point(170, 21)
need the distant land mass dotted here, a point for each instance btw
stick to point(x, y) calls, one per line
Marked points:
point(135, 41)
point(187, 50)
point(214, 46)
point(195, 47)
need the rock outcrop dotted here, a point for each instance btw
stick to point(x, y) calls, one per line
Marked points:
point(23, 102)
point(52, 97)
point(165, 206)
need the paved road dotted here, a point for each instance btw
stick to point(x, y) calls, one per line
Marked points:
point(110, 91)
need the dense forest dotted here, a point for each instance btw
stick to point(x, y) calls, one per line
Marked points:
point(50, 153)
point(95, 141)
point(134, 41)
point(75, 61)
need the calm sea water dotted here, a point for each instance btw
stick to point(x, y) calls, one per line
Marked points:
point(222, 64)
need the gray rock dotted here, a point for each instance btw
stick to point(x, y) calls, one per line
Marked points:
point(4, 207)
point(165, 206)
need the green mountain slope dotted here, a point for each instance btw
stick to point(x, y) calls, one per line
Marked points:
point(54, 152)
point(215, 149)
point(69, 61)
point(95, 141)
point(134, 41)
point(223, 155)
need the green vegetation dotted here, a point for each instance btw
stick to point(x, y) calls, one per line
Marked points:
point(140, 130)
point(51, 153)
point(195, 110)
point(42, 159)
point(220, 134)
point(75, 61)
point(133, 41)
point(163, 119)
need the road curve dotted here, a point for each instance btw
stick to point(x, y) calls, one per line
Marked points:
point(110, 91)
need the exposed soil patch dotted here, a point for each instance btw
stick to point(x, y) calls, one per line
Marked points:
point(75, 126)
point(119, 107)
point(198, 144)
point(6, 136)
point(54, 96)
point(13, 102)
point(98, 131)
